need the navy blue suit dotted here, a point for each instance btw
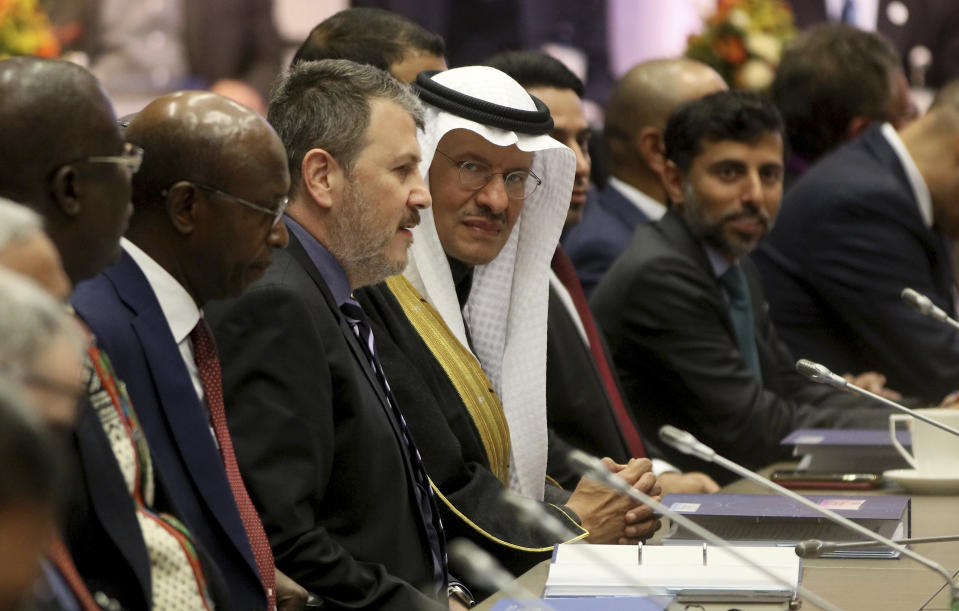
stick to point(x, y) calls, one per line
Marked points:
point(122, 311)
point(609, 220)
point(848, 239)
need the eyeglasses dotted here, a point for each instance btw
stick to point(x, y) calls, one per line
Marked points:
point(276, 212)
point(130, 158)
point(519, 184)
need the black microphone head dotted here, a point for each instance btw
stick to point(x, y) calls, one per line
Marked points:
point(811, 548)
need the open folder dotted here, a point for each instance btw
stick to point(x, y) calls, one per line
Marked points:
point(689, 573)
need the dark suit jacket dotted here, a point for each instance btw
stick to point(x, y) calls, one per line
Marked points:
point(931, 24)
point(848, 239)
point(317, 446)
point(605, 231)
point(223, 38)
point(667, 323)
point(122, 311)
point(452, 449)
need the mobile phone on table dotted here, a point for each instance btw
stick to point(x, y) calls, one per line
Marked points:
point(845, 481)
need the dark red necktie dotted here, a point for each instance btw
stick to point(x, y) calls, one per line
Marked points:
point(208, 364)
point(60, 558)
point(564, 270)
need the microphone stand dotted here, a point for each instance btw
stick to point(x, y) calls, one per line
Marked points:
point(686, 443)
point(814, 548)
point(822, 374)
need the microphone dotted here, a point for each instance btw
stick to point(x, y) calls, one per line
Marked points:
point(820, 373)
point(594, 468)
point(814, 548)
point(481, 568)
point(922, 304)
point(686, 447)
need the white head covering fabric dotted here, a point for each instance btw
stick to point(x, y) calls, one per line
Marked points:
point(507, 305)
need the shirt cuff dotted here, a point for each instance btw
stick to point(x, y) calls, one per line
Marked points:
point(660, 466)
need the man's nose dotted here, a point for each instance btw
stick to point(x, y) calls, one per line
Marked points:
point(493, 195)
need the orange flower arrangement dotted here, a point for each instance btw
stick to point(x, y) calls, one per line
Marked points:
point(743, 41)
point(25, 30)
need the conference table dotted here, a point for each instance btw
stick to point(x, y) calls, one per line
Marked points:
point(856, 584)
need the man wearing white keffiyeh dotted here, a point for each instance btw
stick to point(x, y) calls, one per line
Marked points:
point(480, 258)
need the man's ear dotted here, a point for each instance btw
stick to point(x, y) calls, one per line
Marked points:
point(181, 206)
point(856, 126)
point(66, 191)
point(322, 177)
point(673, 179)
point(649, 143)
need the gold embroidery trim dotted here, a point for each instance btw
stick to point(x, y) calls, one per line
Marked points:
point(463, 370)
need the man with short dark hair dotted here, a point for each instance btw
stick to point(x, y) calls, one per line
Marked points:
point(633, 135)
point(208, 199)
point(832, 83)
point(320, 436)
point(868, 221)
point(376, 37)
point(683, 310)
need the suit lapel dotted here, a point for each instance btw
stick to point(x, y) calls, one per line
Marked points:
point(677, 233)
point(623, 209)
point(296, 250)
point(179, 405)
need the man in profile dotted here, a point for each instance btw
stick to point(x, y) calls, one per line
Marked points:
point(832, 83)
point(683, 309)
point(208, 200)
point(320, 436)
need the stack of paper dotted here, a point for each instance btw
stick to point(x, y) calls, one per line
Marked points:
point(690, 573)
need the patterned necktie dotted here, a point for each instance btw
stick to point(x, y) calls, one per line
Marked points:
point(208, 364)
point(424, 494)
point(61, 559)
point(741, 313)
point(564, 270)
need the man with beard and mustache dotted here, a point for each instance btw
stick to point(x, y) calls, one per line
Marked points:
point(683, 309)
point(319, 435)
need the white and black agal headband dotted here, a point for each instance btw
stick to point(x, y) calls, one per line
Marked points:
point(534, 122)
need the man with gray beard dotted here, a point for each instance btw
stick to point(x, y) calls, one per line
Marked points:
point(319, 436)
point(683, 309)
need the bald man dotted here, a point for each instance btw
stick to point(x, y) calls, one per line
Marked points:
point(208, 200)
point(635, 120)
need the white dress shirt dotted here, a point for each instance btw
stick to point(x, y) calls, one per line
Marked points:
point(646, 204)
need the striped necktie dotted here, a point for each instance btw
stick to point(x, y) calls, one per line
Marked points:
point(424, 494)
